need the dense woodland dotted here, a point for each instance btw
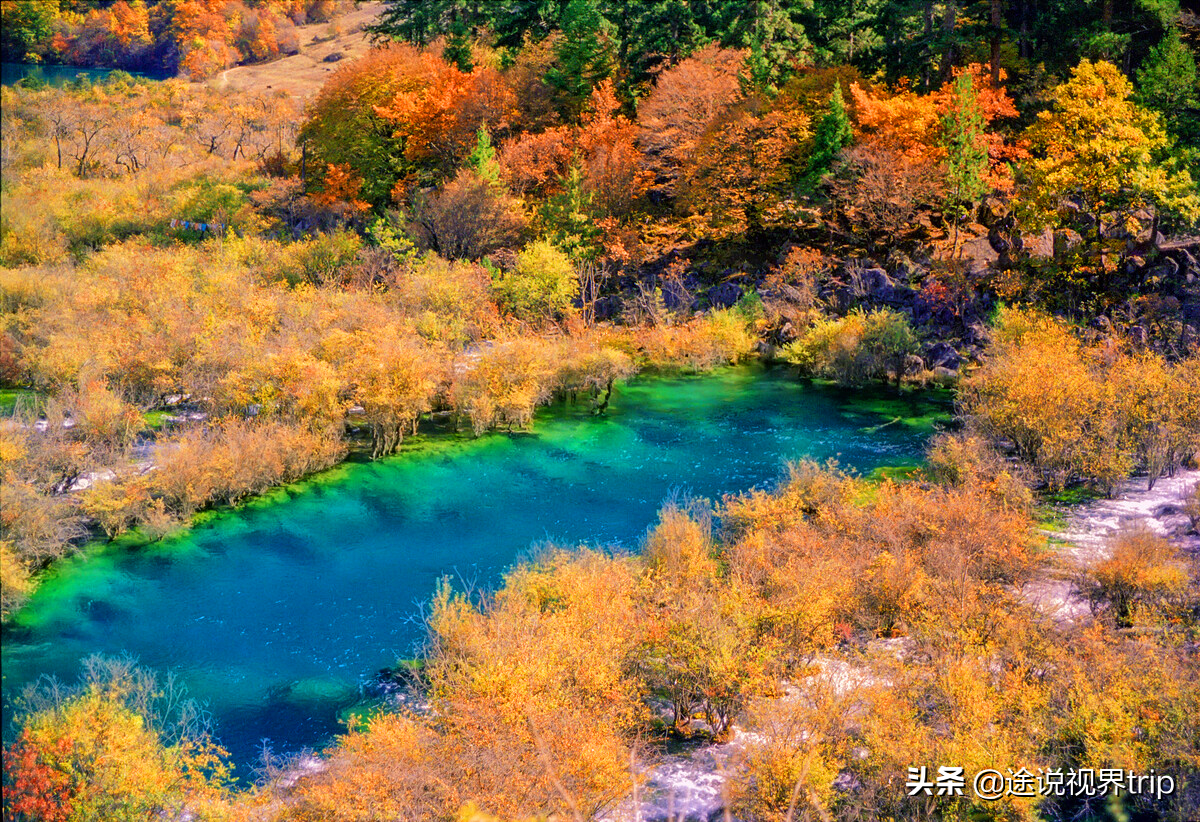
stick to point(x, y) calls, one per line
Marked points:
point(207, 293)
point(194, 38)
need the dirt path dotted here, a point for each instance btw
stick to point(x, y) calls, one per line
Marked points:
point(1085, 539)
point(303, 74)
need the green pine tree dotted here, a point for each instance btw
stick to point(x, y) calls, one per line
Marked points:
point(458, 46)
point(568, 218)
point(482, 159)
point(1168, 83)
point(582, 57)
point(966, 152)
point(833, 134)
point(755, 76)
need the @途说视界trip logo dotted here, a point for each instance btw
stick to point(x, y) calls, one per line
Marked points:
point(991, 784)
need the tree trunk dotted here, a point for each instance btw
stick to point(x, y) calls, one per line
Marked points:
point(997, 24)
point(949, 17)
point(603, 406)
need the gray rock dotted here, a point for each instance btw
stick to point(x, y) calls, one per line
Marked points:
point(724, 295)
point(943, 354)
point(979, 249)
point(902, 267)
point(767, 352)
point(1066, 239)
point(1164, 269)
point(944, 375)
point(991, 211)
point(876, 281)
point(608, 308)
point(998, 241)
point(977, 335)
point(1147, 238)
point(1039, 245)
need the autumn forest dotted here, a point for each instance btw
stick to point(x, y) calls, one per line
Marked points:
point(958, 240)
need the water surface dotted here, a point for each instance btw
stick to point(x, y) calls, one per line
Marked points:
point(59, 76)
point(277, 612)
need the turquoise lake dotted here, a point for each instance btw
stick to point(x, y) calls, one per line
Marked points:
point(54, 75)
point(278, 612)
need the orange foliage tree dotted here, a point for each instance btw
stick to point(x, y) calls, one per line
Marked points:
point(911, 124)
point(743, 165)
point(436, 121)
point(401, 102)
point(685, 99)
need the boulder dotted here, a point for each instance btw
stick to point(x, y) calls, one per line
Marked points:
point(333, 57)
point(1065, 240)
point(980, 249)
point(1189, 338)
point(768, 352)
point(977, 334)
point(876, 283)
point(902, 267)
point(991, 211)
point(998, 241)
point(1137, 335)
point(1165, 270)
point(1068, 212)
point(608, 308)
point(943, 354)
point(1147, 239)
point(1187, 263)
point(724, 295)
point(903, 297)
point(913, 364)
point(944, 376)
point(1040, 245)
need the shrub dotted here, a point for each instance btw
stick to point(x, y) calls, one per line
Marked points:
point(121, 745)
point(468, 217)
point(501, 385)
point(541, 287)
point(714, 339)
point(856, 348)
point(1143, 574)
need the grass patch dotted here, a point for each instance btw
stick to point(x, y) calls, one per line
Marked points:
point(9, 398)
point(897, 473)
point(1073, 495)
point(155, 420)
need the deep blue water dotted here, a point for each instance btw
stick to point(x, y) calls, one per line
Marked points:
point(276, 613)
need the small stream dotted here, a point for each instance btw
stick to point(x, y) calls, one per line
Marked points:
point(279, 614)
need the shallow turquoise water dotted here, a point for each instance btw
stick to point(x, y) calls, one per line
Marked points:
point(54, 75)
point(275, 613)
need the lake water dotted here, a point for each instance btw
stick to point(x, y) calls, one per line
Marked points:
point(12, 73)
point(277, 613)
